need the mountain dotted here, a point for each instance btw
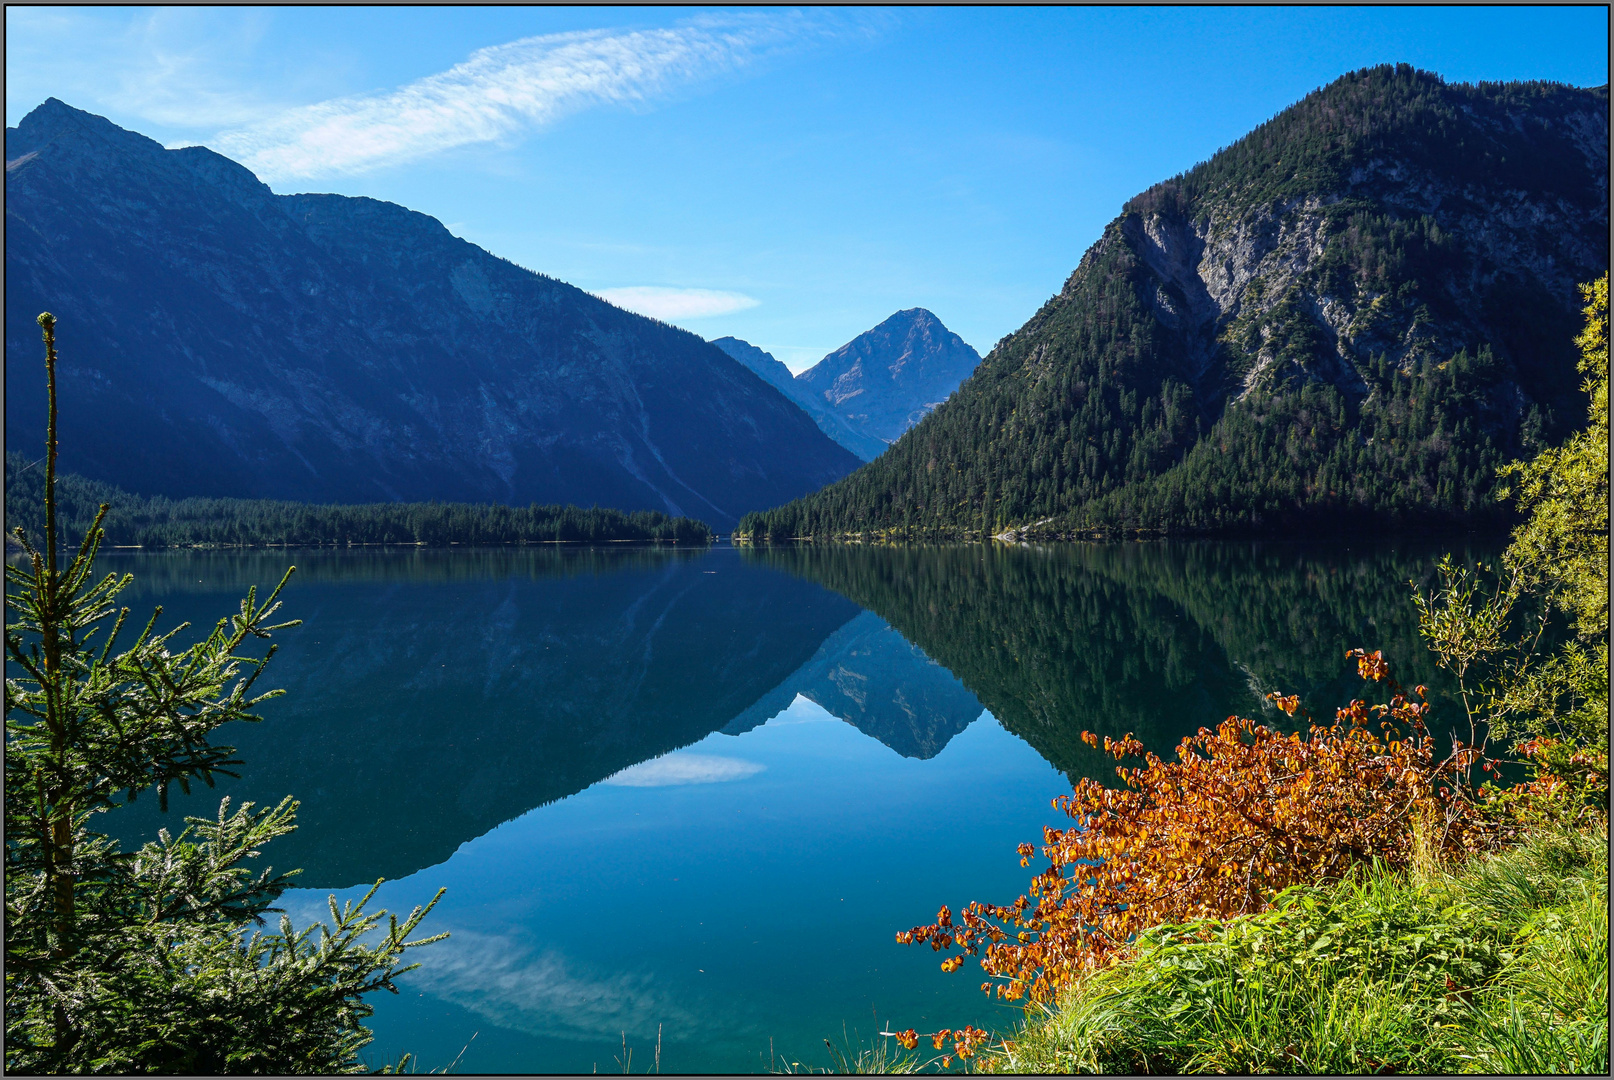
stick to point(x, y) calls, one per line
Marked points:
point(1345, 320)
point(763, 363)
point(219, 339)
point(865, 394)
point(831, 423)
point(886, 379)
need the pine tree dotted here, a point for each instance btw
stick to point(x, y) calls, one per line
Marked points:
point(139, 961)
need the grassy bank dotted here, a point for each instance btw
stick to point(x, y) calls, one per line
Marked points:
point(1499, 966)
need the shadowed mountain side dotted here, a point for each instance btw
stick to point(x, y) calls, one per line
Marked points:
point(1152, 639)
point(419, 714)
point(870, 676)
point(831, 423)
point(219, 339)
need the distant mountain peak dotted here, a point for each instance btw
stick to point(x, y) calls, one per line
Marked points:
point(913, 315)
point(736, 346)
point(888, 378)
point(865, 446)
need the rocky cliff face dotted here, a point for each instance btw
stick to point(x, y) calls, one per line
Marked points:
point(885, 380)
point(1230, 279)
point(1406, 244)
point(830, 422)
point(218, 339)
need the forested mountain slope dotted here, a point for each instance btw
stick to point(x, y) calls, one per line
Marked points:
point(218, 339)
point(1349, 317)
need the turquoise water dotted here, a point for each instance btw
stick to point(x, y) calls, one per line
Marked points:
point(695, 794)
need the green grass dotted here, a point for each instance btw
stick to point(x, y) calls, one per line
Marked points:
point(854, 1057)
point(1501, 967)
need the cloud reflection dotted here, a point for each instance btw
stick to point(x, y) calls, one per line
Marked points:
point(540, 994)
point(674, 769)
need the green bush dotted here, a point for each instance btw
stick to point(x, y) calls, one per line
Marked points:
point(1500, 968)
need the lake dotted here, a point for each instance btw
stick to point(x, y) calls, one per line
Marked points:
point(695, 794)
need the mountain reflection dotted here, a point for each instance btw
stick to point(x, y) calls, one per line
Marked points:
point(432, 695)
point(873, 678)
point(1156, 639)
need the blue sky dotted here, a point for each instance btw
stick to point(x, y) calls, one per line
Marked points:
point(788, 177)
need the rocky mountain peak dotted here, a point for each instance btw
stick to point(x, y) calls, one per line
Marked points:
point(54, 119)
point(887, 378)
point(777, 375)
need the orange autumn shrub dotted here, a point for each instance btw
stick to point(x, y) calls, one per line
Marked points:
point(966, 1041)
point(1568, 786)
point(1243, 812)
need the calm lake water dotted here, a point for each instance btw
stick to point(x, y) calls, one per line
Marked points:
point(698, 792)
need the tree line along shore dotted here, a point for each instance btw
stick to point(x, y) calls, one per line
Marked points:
point(161, 522)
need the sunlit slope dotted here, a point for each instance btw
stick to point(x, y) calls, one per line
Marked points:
point(1350, 316)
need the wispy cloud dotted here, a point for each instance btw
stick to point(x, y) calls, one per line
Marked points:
point(669, 304)
point(181, 70)
point(684, 769)
point(503, 90)
point(505, 978)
